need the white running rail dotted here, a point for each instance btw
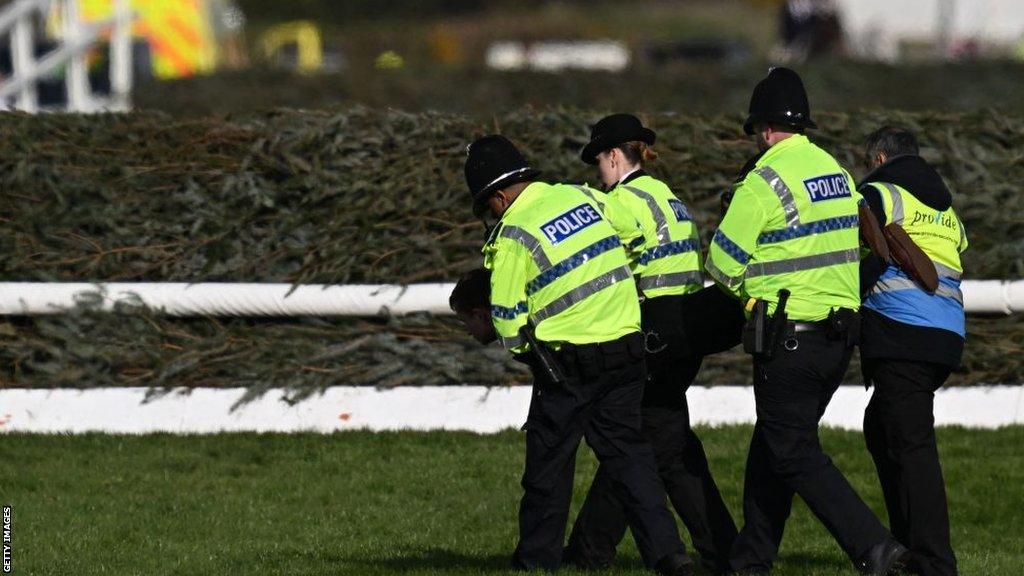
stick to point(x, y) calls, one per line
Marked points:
point(237, 299)
point(20, 91)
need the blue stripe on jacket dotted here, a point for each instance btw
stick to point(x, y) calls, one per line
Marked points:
point(916, 307)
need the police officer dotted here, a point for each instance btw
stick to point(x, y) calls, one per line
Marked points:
point(792, 226)
point(668, 269)
point(561, 274)
point(911, 340)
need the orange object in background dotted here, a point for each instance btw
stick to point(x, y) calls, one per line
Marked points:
point(180, 33)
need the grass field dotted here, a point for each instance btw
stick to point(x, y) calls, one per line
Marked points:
point(397, 503)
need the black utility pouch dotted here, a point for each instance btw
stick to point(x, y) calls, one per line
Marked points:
point(844, 324)
point(755, 331)
point(853, 328)
point(635, 346)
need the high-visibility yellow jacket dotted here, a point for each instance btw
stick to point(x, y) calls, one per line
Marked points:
point(560, 259)
point(792, 224)
point(669, 263)
point(941, 236)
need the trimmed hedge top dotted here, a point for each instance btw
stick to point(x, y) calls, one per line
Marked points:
point(363, 196)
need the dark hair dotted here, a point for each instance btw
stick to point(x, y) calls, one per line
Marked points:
point(892, 141)
point(472, 291)
point(637, 152)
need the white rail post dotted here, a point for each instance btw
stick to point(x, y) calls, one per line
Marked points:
point(121, 57)
point(23, 58)
point(77, 80)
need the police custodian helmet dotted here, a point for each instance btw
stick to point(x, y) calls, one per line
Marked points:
point(492, 163)
point(779, 98)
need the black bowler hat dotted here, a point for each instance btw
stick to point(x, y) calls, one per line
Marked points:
point(613, 130)
point(492, 163)
point(779, 98)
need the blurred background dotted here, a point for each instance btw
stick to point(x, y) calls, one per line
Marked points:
point(322, 141)
point(194, 57)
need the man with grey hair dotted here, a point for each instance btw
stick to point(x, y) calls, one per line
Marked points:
point(911, 339)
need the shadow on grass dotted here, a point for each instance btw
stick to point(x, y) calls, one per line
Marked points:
point(811, 563)
point(434, 558)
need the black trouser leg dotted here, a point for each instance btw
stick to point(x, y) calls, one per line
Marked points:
point(601, 403)
point(683, 467)
point(554, 430)
point(899, 428)
point(791, 392)
point(615, 435)
point(599, 526)
point(767, 502)
point(682, 463)
point(888, 469)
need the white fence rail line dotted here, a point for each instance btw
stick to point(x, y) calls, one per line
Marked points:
point(471, 408)
point(235, 299)
point(226, 299)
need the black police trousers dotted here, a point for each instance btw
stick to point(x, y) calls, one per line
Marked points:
point(682, 463)
point(791, 393)
point(899, 428)
point(601, 403)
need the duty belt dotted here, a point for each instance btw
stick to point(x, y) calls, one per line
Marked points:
point(794, 327)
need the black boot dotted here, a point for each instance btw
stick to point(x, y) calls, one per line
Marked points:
point(882, 559)
point(675, 565)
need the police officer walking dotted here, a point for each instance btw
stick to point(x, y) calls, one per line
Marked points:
point(667, 269)
point(789, 247)
point(561, 281)
point(912, 338)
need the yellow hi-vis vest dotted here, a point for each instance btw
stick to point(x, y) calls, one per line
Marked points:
point(669, 263)
point(792, 224)
point(559, 260)
point(941, 236)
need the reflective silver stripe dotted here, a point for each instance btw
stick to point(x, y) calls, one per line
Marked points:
point(783, 192)
point(803, 263)
point(579, 293)
point(722, 277)
point(897, 203)
point(530, 242)
point(671, 280)
point(506, 175)
point(943, 270)
point(901, 283)
point(590, 195)
point(656, 212)
point(950, 292)
point(513, 342)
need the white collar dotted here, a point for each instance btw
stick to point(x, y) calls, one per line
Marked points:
point(627, 174)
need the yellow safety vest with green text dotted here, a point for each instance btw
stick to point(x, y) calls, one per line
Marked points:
point(559, 260)
point(669, 263)
point(941, 236)
point(792, 224)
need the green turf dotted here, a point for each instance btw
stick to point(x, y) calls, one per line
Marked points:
point(398, 503)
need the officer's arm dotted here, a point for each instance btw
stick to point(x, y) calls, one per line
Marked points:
point(736, 238)
point(626, 226)
point(511, 268)
point(873, 197)
point(871, 265)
